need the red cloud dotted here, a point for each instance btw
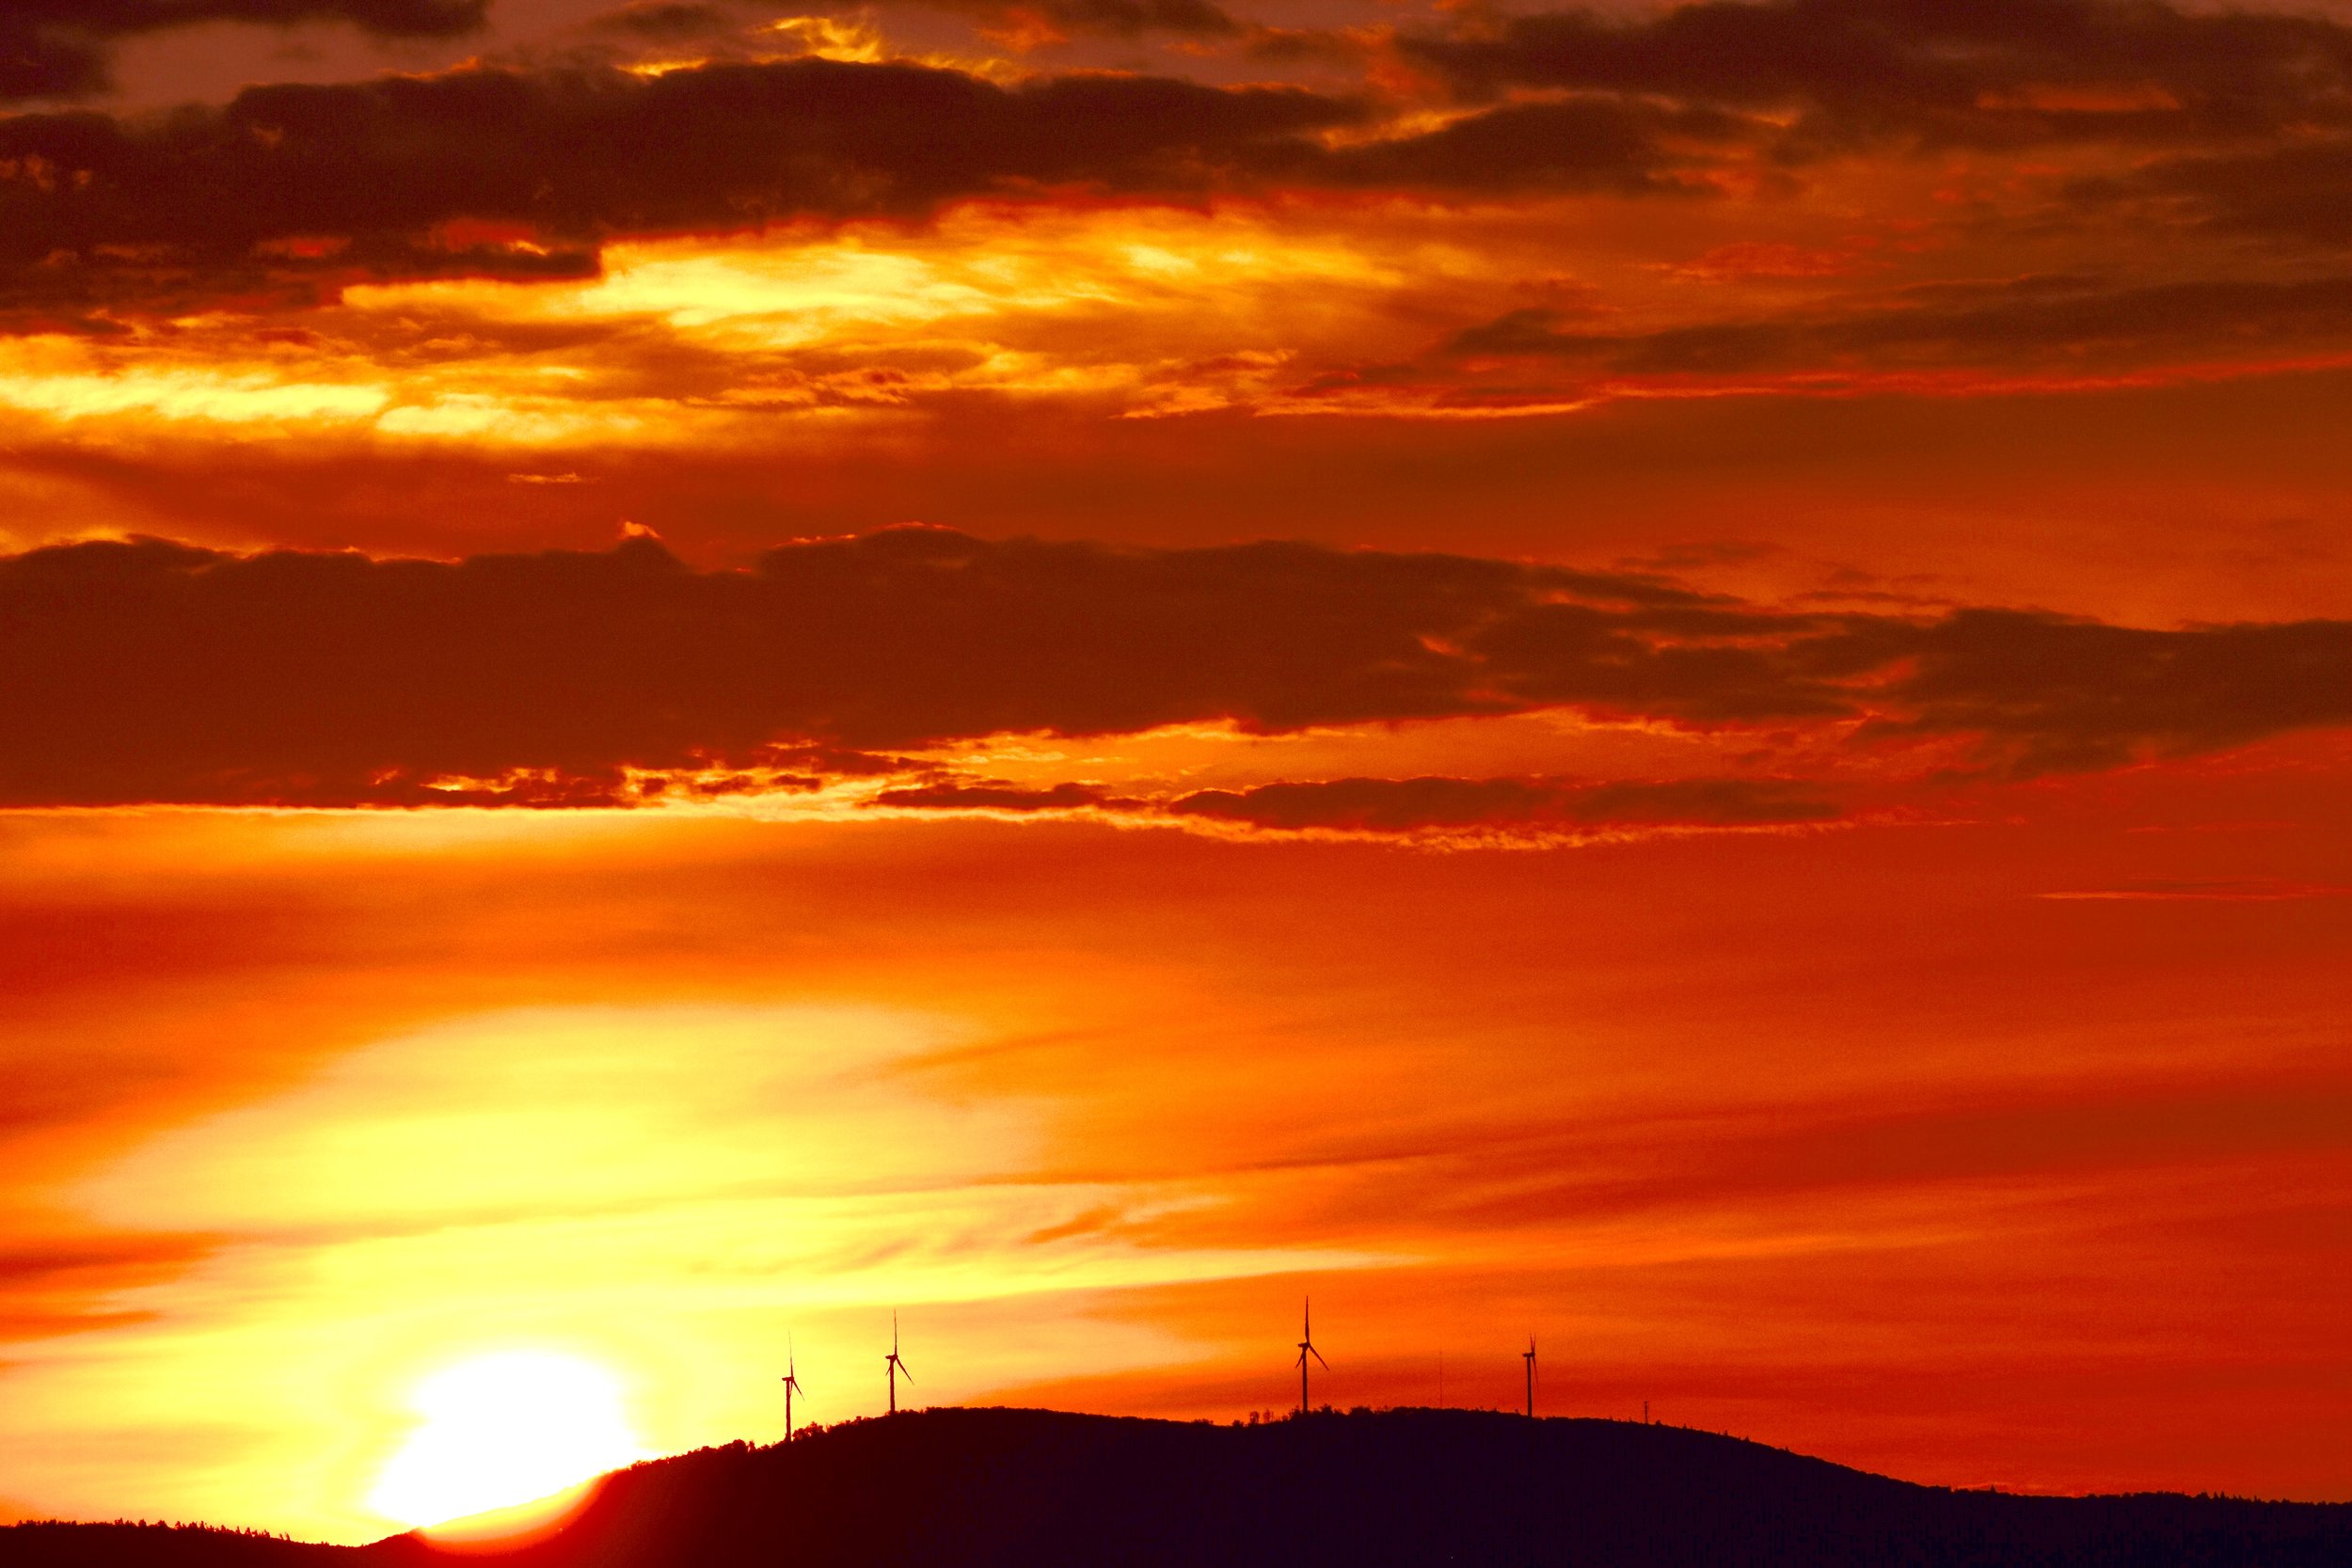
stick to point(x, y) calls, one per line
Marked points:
point(153, 671)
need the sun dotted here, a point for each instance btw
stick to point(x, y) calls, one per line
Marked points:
point(503, 1429)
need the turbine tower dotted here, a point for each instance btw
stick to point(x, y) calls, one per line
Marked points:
point(1306, 1349)
point(791, 1387)
point(895, 1366)
point(1527, 1356)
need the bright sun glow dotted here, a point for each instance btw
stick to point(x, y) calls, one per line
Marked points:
point(504, 1429)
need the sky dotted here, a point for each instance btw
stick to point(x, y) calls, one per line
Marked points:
point(1675, 679)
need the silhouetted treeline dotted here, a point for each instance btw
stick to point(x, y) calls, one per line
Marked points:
point(1037, 1489)
point(158, 1545)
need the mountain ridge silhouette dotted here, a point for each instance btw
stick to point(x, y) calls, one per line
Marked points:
point(996, 1488)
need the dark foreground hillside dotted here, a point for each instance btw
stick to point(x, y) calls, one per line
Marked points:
point(1000, 1488)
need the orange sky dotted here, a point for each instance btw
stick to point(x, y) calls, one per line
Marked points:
point(677, 675)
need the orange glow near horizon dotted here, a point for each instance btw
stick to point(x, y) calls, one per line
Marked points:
point(1118, 1143)
point(671, 681)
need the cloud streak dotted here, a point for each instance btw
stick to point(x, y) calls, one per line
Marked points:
point(2009, 73)
point(1435, 809)
point(1451, 805)
point(2042, 324)
point(2298, 194)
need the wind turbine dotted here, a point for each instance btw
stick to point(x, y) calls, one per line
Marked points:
point(1527, 1356)
point(1306, 1349)
point(791, 1387)
point(895, 1366)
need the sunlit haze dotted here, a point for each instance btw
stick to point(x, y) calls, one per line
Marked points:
point(675, 677)
point(500, 1429)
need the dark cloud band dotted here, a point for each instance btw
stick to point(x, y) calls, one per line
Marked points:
point(2061, 324)
point(152, 671)
point(1533, 810)
point(1468, 805)
point(1992, 73)
point(289, 191)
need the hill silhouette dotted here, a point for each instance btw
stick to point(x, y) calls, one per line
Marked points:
point(959, 1488)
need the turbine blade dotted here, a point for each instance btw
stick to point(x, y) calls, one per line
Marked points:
point(1318, 1355)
